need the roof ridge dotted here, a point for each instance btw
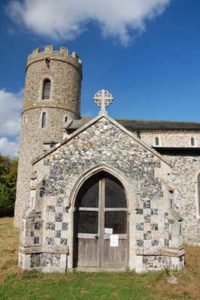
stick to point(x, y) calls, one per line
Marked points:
point(144, 120)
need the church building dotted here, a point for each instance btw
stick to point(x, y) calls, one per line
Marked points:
point(100, 193)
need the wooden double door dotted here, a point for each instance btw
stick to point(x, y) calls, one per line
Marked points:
point(100, 224)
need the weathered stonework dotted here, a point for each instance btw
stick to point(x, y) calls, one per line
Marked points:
point(185, 170)
point(154, 226)
point(184, 177)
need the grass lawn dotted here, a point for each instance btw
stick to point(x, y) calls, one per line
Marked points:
point(15, 284)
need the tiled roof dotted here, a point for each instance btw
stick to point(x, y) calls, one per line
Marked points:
point(133, 125)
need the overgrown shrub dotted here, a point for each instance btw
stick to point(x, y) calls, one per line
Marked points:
point(8, 178)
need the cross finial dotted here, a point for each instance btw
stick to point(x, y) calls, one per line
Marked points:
point(103, 98)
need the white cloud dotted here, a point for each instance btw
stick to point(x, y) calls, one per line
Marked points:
point(65, 19)
point(10, 108)
point(8, 148)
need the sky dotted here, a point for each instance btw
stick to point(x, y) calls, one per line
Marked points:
point(145, 52)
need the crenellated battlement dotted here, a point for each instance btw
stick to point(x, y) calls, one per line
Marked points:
point(48, 52)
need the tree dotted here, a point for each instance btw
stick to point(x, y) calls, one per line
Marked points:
point(8, 178)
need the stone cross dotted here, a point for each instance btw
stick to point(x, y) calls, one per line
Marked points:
point(103, 98)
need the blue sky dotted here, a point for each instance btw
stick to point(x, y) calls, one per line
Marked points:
point(151, 66)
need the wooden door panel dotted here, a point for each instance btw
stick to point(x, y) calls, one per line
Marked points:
point(88, 250)
point(101, 204)
point(115, 257)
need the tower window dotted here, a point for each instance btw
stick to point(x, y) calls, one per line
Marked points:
point(171, 199)
point(44, 118)
point(25, 120)
point(157, 141)
point(180, 229)
point(192, 142)
point(46, 89)
point(66, 119)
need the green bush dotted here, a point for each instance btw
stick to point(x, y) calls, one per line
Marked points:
point(8, 178)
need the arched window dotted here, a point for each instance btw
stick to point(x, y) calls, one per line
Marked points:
point(66, 118)
point(44, 118)
point(46, 89)
point(157, 141)
point(192, 142)
point(198, 190)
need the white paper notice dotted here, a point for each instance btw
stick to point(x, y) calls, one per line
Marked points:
point(108, 231)
point(114, 240)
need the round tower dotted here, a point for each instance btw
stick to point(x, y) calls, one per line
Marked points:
point(52, 98)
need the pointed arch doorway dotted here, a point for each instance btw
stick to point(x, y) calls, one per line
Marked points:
point(100, 224)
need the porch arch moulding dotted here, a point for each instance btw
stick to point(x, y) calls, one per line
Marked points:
point(128, 187)
point(131, 199)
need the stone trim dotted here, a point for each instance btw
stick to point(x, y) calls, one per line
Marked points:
point(56, 59)
point(45, 106)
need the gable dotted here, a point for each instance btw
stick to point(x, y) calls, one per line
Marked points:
point(104, 132)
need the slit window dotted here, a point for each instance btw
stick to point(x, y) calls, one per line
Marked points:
point(25, 120)
point(192, 142)
point(180, 229)
point(171, 199)
point(157, 141)
point(46, 89)
point(44, 119)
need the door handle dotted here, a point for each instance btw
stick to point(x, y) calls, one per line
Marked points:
point(96, 237)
